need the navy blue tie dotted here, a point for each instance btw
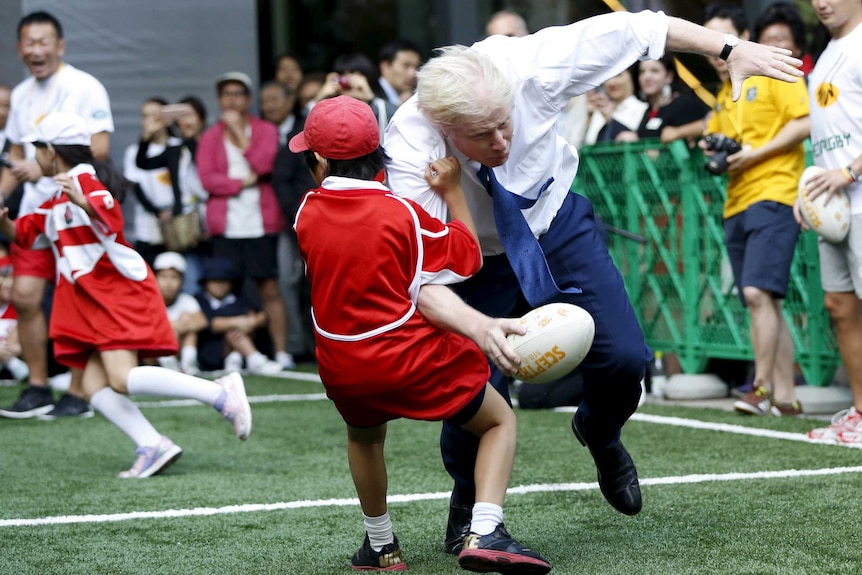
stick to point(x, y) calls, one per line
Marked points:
point(522, 248)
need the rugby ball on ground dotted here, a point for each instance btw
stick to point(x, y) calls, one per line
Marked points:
point(558, 337)
point(830, 221)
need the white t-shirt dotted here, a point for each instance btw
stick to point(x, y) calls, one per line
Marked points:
point(546, 70)
point(185, 303)
point(156, 185)
point(835, 87)
point(244, 218)
point(69, 90)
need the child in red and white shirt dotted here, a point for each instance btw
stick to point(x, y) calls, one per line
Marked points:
point(108, 311)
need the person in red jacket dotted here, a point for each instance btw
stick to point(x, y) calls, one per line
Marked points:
point(235, 158)
point(368, 253)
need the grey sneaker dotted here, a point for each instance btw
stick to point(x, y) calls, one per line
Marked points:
point(69, 406)
point(35, 400)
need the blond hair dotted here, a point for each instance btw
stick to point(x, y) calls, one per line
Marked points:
point(461, 86)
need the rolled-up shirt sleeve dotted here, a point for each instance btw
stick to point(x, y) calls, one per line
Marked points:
point(573, 59)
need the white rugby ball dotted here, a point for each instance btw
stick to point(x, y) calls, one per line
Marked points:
point(830, 221)
point(558, 337)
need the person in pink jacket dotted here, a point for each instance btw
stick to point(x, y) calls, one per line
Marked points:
point(235, 158)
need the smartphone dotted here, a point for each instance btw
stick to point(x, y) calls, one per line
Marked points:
point(173, 112)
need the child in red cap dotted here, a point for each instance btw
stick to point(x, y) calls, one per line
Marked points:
point(368, 253)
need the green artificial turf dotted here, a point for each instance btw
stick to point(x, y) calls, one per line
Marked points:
point(791, 525)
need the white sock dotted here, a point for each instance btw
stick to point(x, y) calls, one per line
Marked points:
point(189, 355)
point(122, 412)
point(486, 517)
point(379, 530)
point(18, 368)
point(152, 380)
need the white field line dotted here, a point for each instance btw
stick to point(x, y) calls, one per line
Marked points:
point(407, 498)
point(660, 419)
point(723, 427)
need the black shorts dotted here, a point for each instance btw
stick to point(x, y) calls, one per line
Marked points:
point(760, 244)
point(255, 258)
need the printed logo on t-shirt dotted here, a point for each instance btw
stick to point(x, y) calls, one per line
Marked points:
point(751, 94)
point(827, 94)
point(100, 114)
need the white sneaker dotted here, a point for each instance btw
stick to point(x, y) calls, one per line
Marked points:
point(233, 404)
point(153, 460)
point(259, 364)
point(847, 422)
point(285, 360)
point(233, 362)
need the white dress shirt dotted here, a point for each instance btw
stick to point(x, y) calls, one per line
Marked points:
point(546, 70)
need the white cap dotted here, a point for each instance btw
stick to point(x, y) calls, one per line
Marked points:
point(60, 129)
point(238, 77)
point(170, 261)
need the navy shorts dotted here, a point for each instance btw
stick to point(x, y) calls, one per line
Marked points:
point(255, 258)
point(760, 244)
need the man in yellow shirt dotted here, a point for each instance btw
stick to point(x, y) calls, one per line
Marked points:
point(769, 122)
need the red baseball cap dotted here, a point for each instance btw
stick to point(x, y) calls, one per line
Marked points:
point(340, 128)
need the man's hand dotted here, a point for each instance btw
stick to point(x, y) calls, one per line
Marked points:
point(444, 309)
point(827, 182)
point(797, 215)
point(233, 122)
point(25, 170)
point(751, 59)
point(743, 159)
point(491, 338)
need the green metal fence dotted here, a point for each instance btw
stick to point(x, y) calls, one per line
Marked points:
point(680, 281)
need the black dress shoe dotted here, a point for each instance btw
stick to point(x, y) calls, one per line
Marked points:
point(458, 527)
point(618, 478)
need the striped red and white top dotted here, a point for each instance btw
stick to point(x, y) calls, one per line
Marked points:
point(107, 296)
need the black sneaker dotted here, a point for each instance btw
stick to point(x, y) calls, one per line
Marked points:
point(498, 552)
point(35, 400)
point(69, 406)
point(387, 559)
point(617, 475)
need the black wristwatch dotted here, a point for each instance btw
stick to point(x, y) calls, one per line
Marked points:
point(730, 41)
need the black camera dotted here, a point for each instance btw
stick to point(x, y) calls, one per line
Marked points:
point(723, 147)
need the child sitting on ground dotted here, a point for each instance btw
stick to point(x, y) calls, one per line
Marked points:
point(10, 345)
point(231, 323)
point(184, 311)
point(367, 254)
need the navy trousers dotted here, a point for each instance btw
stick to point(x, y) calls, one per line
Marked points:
point(577, 256)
